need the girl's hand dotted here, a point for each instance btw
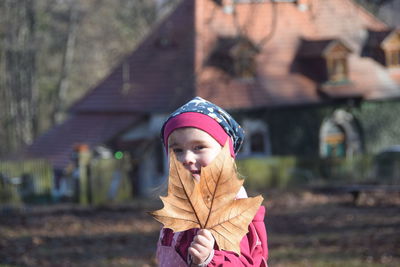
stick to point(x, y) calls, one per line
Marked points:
point(201, 247)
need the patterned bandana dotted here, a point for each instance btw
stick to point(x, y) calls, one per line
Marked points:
point(199, 105)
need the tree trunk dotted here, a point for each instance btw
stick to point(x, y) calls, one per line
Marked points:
point(18, 89)
point(61, 95)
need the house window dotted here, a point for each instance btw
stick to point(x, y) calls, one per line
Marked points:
point(257, 142)
point(324, 60)
point(235, 56)
point(393, 58)
point(245, 65)
point(337, 69)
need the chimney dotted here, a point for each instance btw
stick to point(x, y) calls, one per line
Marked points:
point(303, 5)
point(228, 6)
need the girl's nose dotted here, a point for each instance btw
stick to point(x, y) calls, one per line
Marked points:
point(187, 158)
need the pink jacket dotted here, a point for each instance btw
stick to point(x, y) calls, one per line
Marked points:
point(253, 247)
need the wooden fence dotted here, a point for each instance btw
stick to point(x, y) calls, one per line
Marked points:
point(103, 181)
point(25, 181)
point(109, 181)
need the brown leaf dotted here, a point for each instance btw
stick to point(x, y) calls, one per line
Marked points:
point(210, 203)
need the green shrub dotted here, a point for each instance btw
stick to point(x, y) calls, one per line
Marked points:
point(267, 172)
point(283, 172)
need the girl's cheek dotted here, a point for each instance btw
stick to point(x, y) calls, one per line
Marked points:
point(179, 157)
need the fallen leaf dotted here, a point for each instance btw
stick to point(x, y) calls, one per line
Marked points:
point(208, 204)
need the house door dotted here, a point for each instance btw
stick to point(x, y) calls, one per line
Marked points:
point(340, 136)
point(334, 141)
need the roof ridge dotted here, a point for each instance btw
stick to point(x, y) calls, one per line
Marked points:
point(367, 12)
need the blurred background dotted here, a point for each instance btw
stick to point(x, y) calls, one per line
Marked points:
point(86, 85)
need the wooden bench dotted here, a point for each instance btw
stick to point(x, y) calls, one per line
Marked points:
point(356, 189)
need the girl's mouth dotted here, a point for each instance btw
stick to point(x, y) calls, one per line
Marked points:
point(196, 175)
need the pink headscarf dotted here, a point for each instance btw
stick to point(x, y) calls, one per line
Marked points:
point(199, 121)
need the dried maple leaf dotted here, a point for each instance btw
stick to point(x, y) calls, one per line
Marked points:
point(210, 203)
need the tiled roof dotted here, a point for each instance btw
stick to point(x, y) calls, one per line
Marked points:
point(284, 25)
point(92, 129)
point(169, 66)
point(395, 75)
point(160, 72)
point(341, 90)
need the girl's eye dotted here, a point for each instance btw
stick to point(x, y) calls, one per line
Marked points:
point(177, 150)
point(199, 147)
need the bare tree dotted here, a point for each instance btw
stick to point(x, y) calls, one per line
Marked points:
point(18, 87)
point(52, 52)
point(61, 95)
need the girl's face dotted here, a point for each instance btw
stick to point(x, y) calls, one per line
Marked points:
point(194, 148)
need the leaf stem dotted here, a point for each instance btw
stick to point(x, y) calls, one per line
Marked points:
point(187, 196)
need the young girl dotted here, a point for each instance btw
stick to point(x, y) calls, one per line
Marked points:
point(196, 133)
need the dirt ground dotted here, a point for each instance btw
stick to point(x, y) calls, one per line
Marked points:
point(304, 229)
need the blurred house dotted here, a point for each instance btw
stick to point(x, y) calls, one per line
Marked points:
point(294, 73)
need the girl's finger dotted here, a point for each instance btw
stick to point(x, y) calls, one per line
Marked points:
point(197, 247)
point(206, 233)
point(202, 240)
point(196, 255)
